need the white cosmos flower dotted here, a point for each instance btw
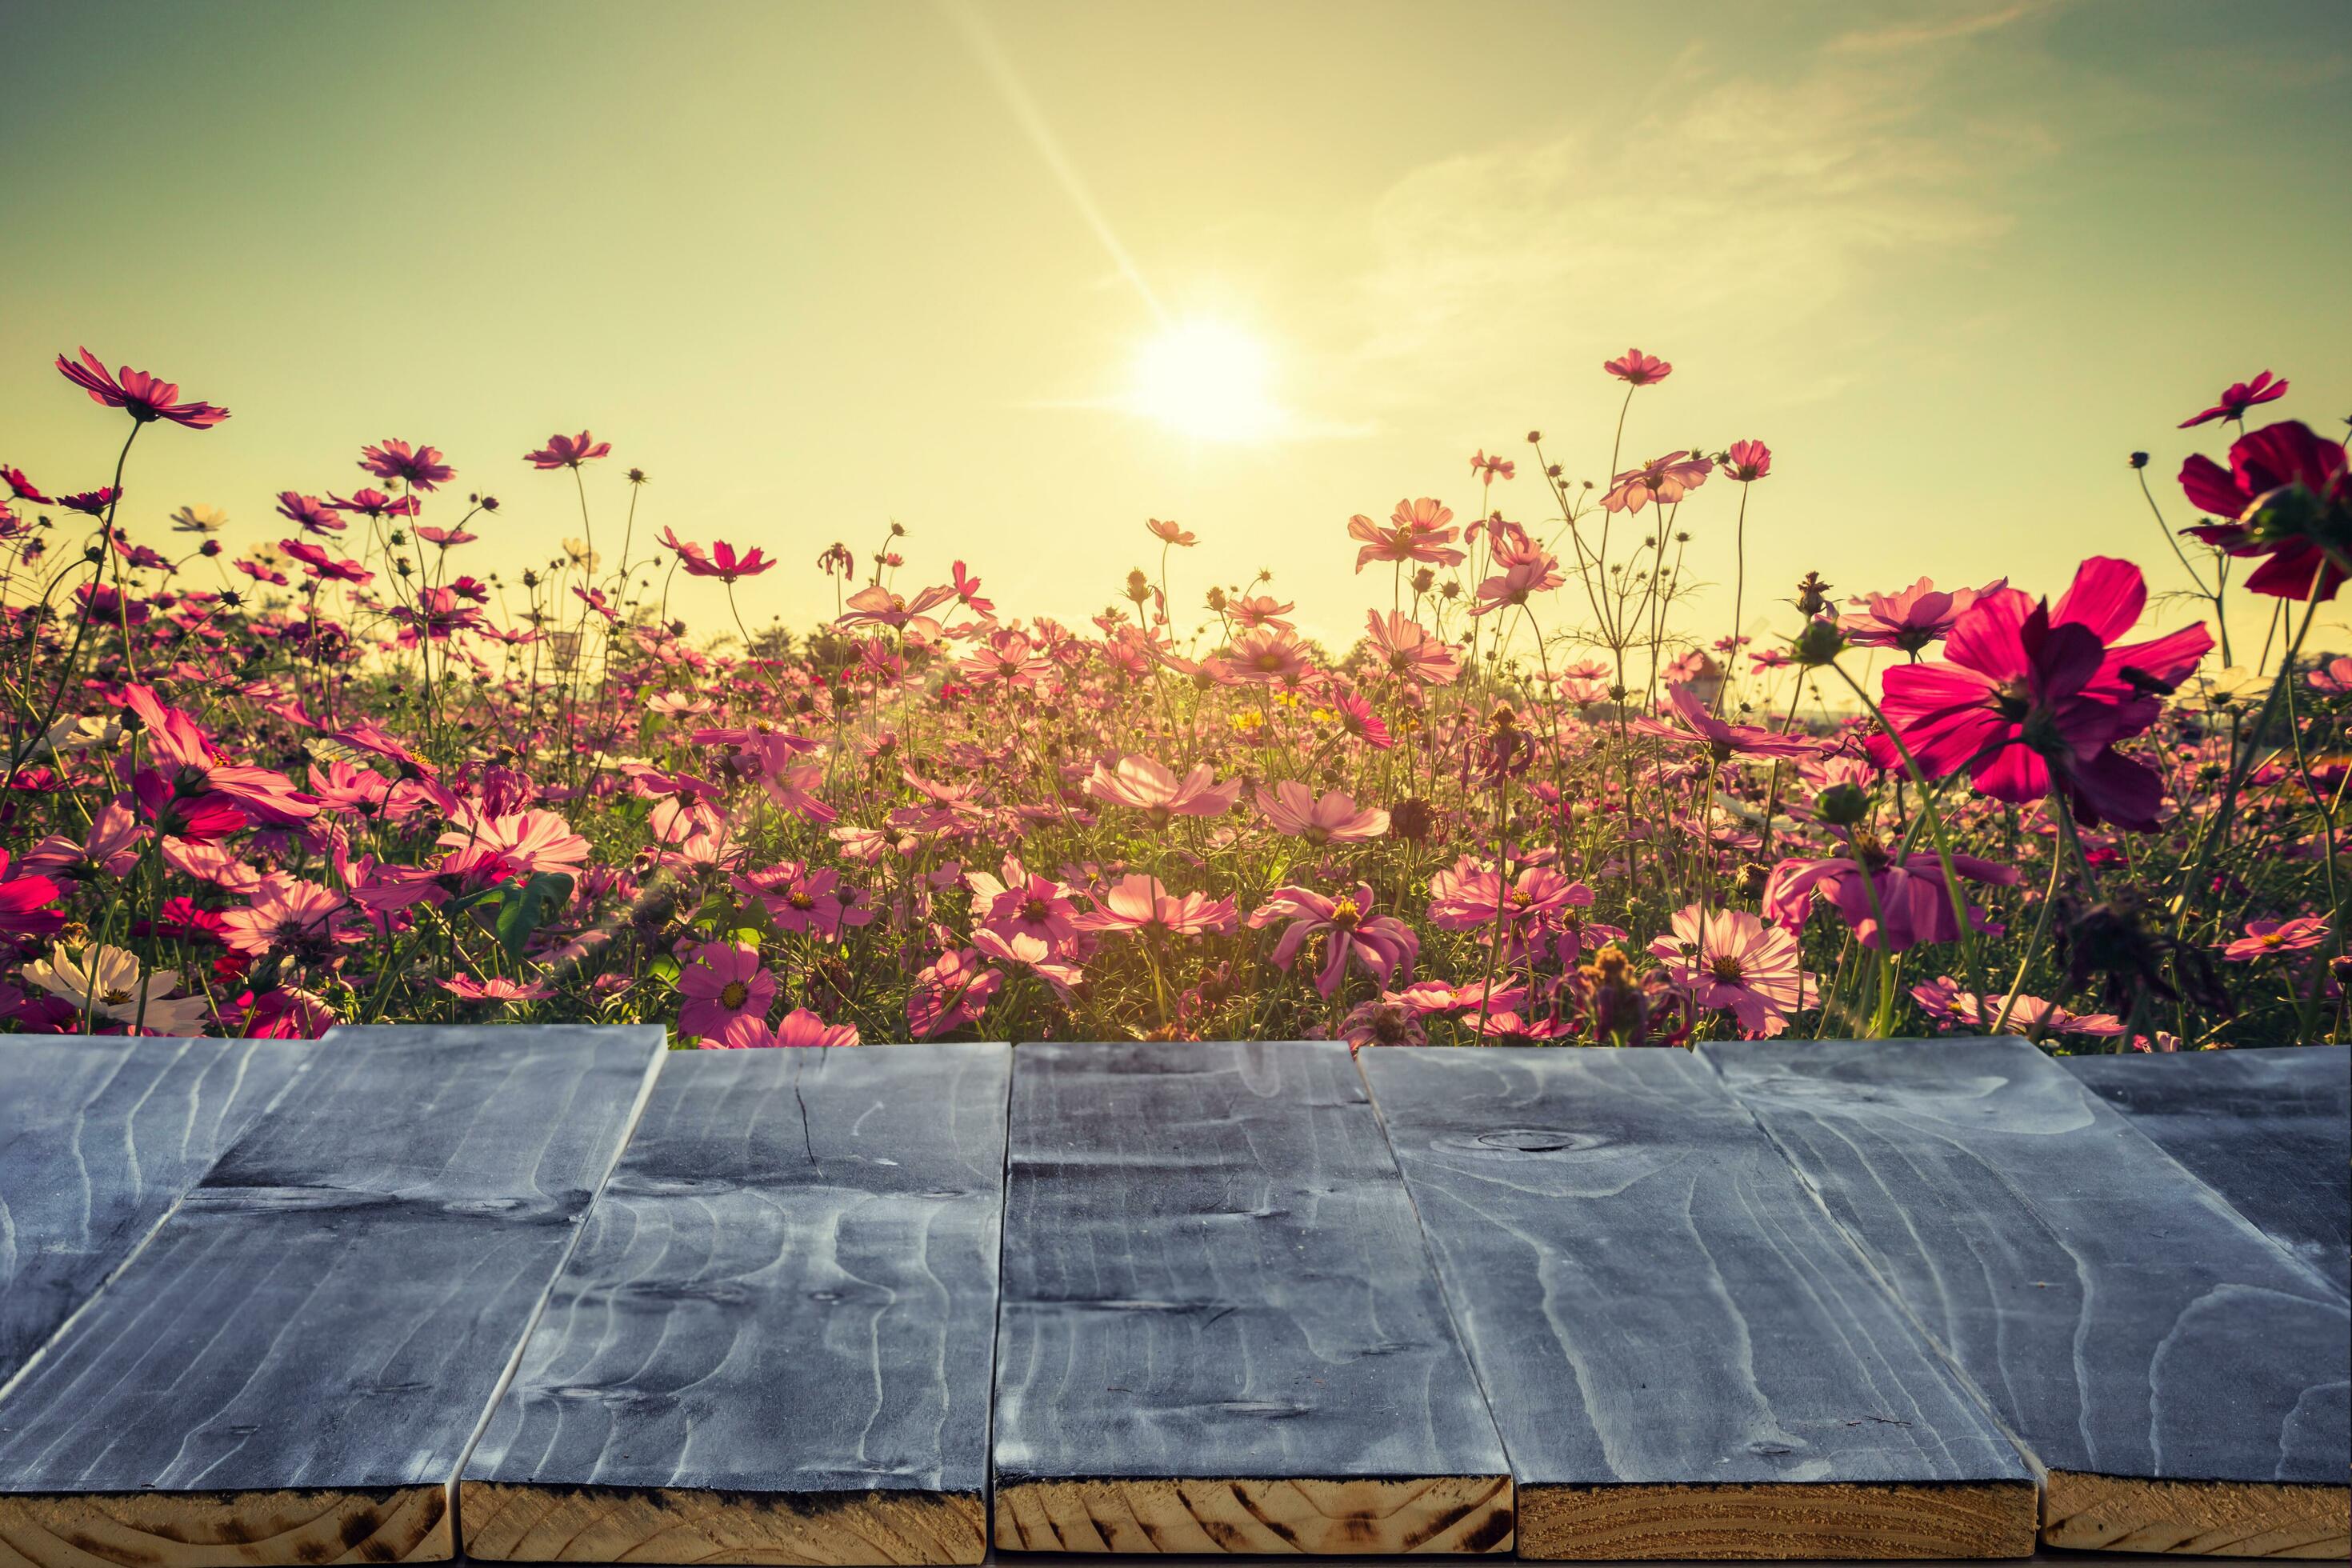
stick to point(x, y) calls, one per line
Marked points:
point(199, 519)
point(105, 981)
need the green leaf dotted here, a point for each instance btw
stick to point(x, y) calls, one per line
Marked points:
point(528, 905)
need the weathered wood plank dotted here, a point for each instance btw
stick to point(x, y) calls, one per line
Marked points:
point(2268, 1129)
point(1219, 1328)
point(1685, 1357)
point(98, 1136)
point(774, 1340)
point(2181, 1378)
point(294, 1366)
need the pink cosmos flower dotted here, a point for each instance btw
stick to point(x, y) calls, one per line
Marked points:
point(1912, 894)
point(1747, 461)
point(564, 451)
point(316, 562)
point(2286, 492)
point(182, 751)
point(1492, 468)
point(1254, 610)
point(2034, 699)
point(146, 398)
point(721, 983)
point(1526, 568)
point(2265, 938)
point(1007, 659)
point(419, 468)
point(1142, 784)
point(1382, 945)
point(796, 1029)
point(375, 503)
point(719, 561)
point(525, 842)
point(953, 991)
point(1638, 368)
point(1023, 904)
point(1268, 656)
point(794, 789)
point(877, 605)
point(1410, 651)
point(1139, 906)
point(1382, 1023)
point(309, 512)
point(1171, 532)
point(1417, 531)
point(496, 988)
point(1723, 739)
point(1661, 480)
point(1943, 1000)
point(110, 847)
point(2334, 678)
point(1915, 617)
point(302, 919)
point(1731, 962)
point(1290, 808)
point(2239, 396)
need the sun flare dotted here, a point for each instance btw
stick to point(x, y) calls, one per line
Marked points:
point(1208, 381)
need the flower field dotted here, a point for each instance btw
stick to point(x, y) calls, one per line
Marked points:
point(363, 777)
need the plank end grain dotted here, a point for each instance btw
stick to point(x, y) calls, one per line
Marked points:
point(226, 1530)
point(1767, 1520)
point(2205, 1518)
point(1357, 1516)
point(669, 1525)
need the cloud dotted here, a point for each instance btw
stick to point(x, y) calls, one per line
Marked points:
point(1946, 29)
point(1744, 208)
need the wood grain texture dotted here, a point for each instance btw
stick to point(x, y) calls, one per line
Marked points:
point(2121, 1319)
point(1774, 1520)
point(1212, 1275)
point(1351, 1518)
point(1684, 1355)
point(2223, 1519)
point(330, 1311)
point(98, 1136)
point(774, 1340)
point(2268, 1129)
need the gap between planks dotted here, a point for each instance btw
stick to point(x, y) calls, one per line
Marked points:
point(1359, 1516)
point(2214, 1519)
point(226, 1530)
point(664, 1524)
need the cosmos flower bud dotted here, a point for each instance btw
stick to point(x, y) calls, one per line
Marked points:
point(1820, 642)
point(1813, 595)
point(2139, 459)
point(1842, 805)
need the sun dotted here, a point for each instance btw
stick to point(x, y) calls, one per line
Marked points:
point(1208, 381)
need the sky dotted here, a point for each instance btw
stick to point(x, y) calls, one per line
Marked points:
point(820, 268)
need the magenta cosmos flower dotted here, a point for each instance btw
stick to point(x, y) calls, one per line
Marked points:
point(2034, 699)
point(419, 468)
point(798, 1027)
point(1911, 894)
point(2285, 495)
point(1747, 461)
point(721, 561)
point(1382, 945)
point(1943, 1000)
point(1638, 368)
point(145, 398)
point(568, 451)
point(1731, 962)
point(1142, 784)
point(2239, 396)
point(1724, 739)
point(1333, 818)
point(722, 983)
point(1912, 619)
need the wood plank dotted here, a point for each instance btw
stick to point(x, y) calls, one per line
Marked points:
point(1685, 1357)
point(2270, 1129)
point(775, 1341)
point(98, 1136)
point(1219, 1328)
point(293, 1367)
point(2180, 1378)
